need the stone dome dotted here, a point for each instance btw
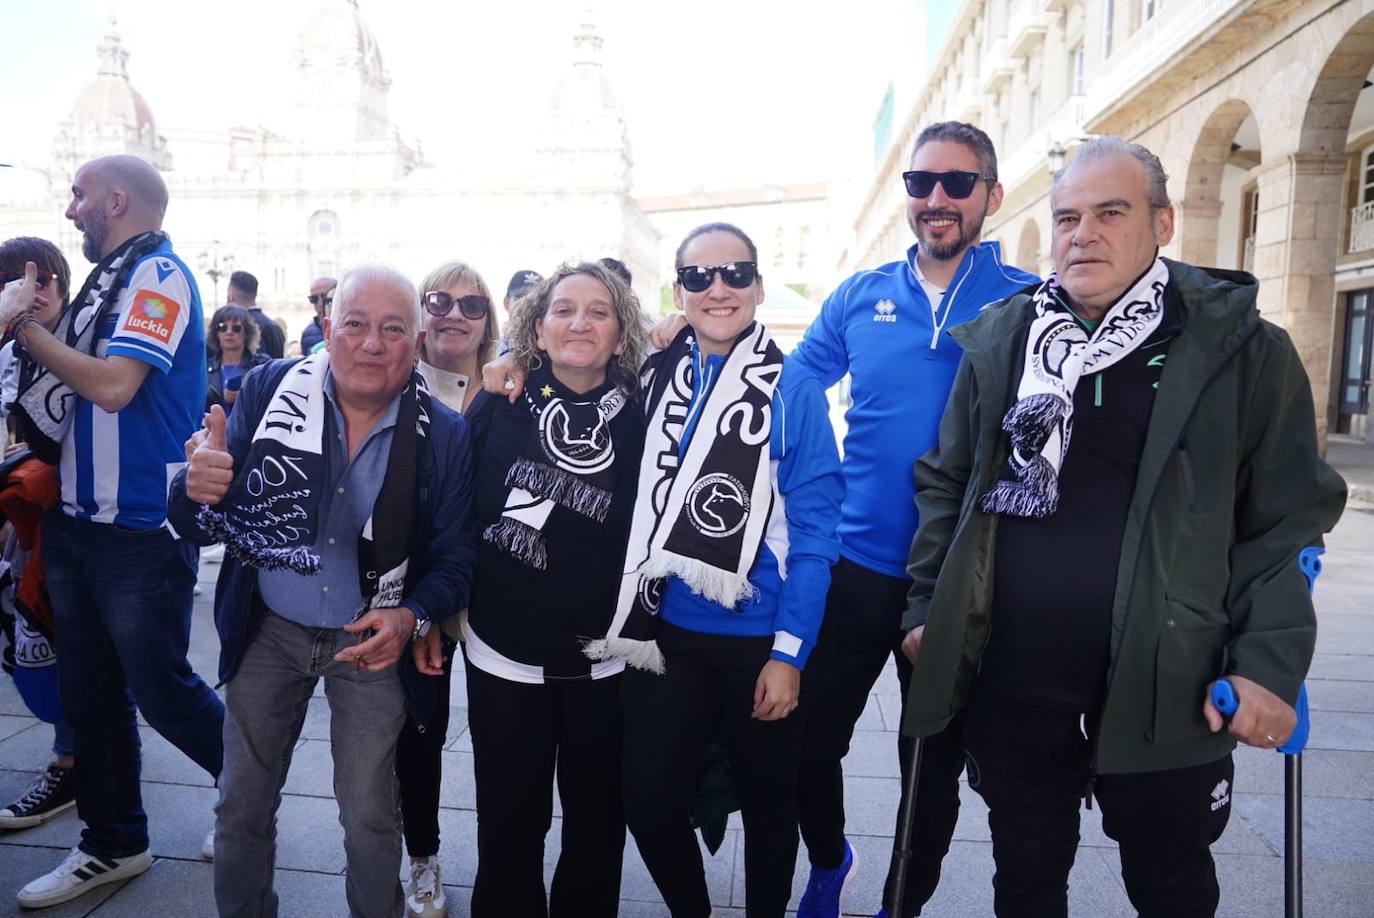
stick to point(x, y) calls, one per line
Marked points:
point(335, 35)
point(585, 89)
point(110, 98)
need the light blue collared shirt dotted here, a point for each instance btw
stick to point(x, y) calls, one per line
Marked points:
point(332, 598)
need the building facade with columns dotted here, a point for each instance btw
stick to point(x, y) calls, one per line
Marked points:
point(1262, 112)
point(340, 186)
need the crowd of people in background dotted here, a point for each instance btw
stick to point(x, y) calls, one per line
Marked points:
point(671, 595)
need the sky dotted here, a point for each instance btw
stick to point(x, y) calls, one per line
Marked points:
point(716, 93)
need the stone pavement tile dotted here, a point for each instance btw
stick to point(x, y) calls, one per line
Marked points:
point(170, 887)
point(460, 741)
point(458, 790)
point(1331, 730)
point(1347, 630)
point(1252, 887)
point(1332, 828)
point(10, 701)
point(872, 716)
point(11, 724)
point(165, 763)
point(872, 754)
point(1357, 767)
point(457, 846)
point(890, 704)
point(309, 836)
point(1260, 771)
point(312, 770)
point(460, 901)
point(1347, 666)
point(870, 805)
point(19, 865)
point(1341, 694)
point(29, 749)
point(178, 818)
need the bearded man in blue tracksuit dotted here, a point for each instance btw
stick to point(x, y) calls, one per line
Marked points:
point(888, 328)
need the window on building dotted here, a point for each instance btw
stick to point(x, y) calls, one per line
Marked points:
point(1076, 61)
point(1249, 217)
point(1035, 108)
point(1148, 9)
point(1108, 17)
point(1367, 175)
point(779, 241)
point(803, 243)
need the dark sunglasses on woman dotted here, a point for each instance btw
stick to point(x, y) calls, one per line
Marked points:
point(957, 184)
point(235, 327)
point(42, 281)
point(737, 274)
point(472, 306)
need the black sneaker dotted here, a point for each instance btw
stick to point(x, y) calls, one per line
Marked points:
point(51, 795)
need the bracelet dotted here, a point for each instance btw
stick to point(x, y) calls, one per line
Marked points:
point(24, 321)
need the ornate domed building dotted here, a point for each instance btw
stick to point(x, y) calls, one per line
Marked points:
point(338, 186)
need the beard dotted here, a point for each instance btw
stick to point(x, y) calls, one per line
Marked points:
point(95, 230)
point(953, 247)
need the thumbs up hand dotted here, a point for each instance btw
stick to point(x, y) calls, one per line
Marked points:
point(210, 468)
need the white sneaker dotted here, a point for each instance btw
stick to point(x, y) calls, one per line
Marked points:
point(207, 847)
point(79, 874)
point(424, 891)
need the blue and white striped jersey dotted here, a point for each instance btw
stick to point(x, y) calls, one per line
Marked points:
point(115, 468)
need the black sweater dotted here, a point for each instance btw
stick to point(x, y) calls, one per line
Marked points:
point(543, 617)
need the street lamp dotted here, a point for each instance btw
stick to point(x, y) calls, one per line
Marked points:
point(1056, 156)
point(210, 265)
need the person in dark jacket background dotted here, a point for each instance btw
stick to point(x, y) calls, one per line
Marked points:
point(231, 348)
point(342, 493)
point(1126, 472)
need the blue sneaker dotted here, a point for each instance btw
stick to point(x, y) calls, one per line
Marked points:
point(824, 887)
point(882, 913)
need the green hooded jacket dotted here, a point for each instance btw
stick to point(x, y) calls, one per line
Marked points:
point(1230, 488)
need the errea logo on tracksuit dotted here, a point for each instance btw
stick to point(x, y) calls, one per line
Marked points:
point(1221, 795)
point(884, 311)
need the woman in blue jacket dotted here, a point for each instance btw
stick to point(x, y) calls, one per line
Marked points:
point(726, 573)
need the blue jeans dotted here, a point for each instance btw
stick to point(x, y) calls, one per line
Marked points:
point(122, 603)
point(267, 697)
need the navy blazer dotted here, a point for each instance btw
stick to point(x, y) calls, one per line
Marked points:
point(445, 533)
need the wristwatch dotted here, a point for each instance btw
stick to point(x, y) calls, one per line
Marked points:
point(421, 626)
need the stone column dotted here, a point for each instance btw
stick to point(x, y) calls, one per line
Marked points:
point(1301, 217)
point(1197, 225)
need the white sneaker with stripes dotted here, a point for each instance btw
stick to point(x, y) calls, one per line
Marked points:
point(78, 875)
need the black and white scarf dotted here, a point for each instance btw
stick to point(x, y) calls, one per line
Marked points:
point(270, 516)
point(1058, 353)
point(566, 461)
point(44, 402)
point(700, 514)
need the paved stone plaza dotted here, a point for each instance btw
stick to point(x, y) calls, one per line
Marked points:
point(1339, 825)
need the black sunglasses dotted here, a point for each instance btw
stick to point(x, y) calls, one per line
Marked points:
point(42, 281)
point(473, 306)
point(321, 299)
point(226, 326)
point(957, 184)
point(737, 274)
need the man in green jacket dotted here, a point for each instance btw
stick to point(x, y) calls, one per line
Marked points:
point(1127, 469)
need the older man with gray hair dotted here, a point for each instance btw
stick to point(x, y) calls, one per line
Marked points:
point(342, 493)
point(1126, 472)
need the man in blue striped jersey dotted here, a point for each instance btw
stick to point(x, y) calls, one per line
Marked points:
point(111, 396)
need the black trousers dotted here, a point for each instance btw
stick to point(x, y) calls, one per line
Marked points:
point(1030, 764)
point(862, 626)
point(420, 768)
point(708, 689)
point(523, 736)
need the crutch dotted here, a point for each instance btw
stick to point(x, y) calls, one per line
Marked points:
point(901, 845)
point(1224, 700)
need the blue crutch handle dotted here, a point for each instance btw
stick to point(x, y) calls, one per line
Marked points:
point(1224, 695)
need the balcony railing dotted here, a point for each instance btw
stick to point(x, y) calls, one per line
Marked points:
point(1362, 227)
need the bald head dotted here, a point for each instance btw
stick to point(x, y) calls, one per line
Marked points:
point(115, 198)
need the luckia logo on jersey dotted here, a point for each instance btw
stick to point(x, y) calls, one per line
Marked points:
point(884, 311)
point(152, 315)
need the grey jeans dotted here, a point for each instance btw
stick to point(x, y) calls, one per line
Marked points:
point(265, 708)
